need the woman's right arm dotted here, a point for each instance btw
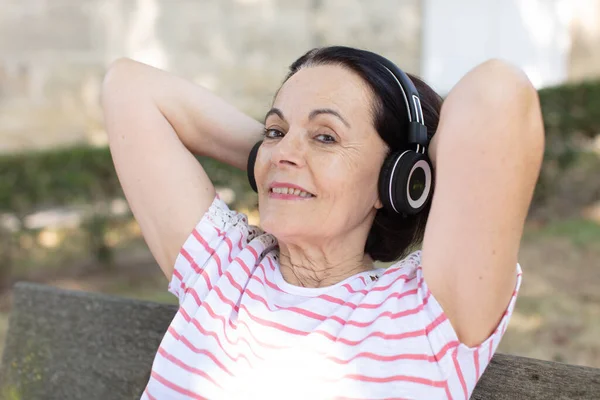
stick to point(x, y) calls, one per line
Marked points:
point(156, 122)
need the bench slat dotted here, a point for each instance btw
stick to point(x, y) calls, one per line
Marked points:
point(71, 345)
point(76, 345)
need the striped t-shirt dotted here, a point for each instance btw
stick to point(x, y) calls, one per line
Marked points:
point(243, 332)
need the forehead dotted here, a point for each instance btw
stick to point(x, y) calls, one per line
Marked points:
point(325, 86)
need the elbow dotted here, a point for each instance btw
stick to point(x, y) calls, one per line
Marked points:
point(119, 75)
point(508, 89)
point(497, 81)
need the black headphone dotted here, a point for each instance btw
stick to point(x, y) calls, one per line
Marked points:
point(406, 177)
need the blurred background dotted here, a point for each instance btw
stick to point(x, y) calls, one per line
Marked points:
point(63, 217)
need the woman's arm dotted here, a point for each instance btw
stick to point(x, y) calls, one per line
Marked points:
point(155, 123)
point(487, 155)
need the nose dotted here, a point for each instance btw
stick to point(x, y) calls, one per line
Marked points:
point(288, 151)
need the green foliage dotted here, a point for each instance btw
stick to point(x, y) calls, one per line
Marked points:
point(582, 233)
point(571, 110)
point(30, 181)
point(79, 175)
point(571, 115)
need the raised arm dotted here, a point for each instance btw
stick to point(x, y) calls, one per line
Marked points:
point(155, 123)
point(487, 155)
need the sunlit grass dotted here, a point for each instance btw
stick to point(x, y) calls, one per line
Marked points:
point(580, 232)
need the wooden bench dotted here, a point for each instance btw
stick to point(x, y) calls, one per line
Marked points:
point(75, 345)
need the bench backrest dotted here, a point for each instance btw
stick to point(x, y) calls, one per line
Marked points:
point(75, 345)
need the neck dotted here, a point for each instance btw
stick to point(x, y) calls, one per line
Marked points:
point(301, 268)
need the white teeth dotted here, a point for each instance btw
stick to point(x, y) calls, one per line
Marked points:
point(295, 192)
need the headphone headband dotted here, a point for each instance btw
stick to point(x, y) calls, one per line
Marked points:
point(417, 131)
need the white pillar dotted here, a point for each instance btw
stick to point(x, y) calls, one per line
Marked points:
point(459, 34)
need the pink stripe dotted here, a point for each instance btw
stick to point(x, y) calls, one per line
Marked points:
point(441, 318)
point(460, 374)
point(406, 356)
point(254, 253)
point(379, 334)
point(490, 352)
point(504, 326)
point(148, 394)
point(233, 282)
point(261, 300)
point(174, 360)
point(244, 266)
point(197, 350)
point(350, 289)
point(214, 335)
point(196, 268)
point(230, 245)
point(228, 302)
point(240, 337)
point(175, 387)
point(447, 389)
point(177, 274)
point(270, 324)
point(209, 249)
point(269, 283)
point(194, 294)
point(388, 379)
point(476, 361)
point(271, 263)
point(369, 306)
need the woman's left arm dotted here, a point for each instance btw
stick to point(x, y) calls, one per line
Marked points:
point(487, 155)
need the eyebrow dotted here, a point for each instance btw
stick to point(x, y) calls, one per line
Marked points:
point(312, 115)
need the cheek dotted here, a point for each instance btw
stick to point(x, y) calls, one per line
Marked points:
point(261, 166)
point(348, 174)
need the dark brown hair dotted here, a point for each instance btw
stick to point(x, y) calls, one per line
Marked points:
point(392, 235)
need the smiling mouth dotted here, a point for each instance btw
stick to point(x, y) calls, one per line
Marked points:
point(289, 193)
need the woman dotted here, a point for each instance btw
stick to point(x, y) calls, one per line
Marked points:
point(296, 308)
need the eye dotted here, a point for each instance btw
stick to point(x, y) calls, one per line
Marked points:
point(328, 138)
point(271, 133)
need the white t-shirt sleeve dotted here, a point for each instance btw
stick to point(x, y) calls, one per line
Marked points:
point(464, 364)
point(217, 238)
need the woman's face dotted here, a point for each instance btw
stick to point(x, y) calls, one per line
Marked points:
point(320, 136)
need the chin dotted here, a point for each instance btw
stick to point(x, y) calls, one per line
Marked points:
point(278, 227)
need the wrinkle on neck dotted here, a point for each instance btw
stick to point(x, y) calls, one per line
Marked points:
point(305, 272)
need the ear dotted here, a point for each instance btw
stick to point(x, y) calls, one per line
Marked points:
point(378, 204)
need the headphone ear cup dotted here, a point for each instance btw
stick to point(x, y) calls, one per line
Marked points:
point(406, 182)
point(251, 164)
point(385, 179)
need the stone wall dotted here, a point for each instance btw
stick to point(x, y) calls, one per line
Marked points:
point(53, 53)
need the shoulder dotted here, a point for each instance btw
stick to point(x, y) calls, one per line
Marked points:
point(223, 220)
